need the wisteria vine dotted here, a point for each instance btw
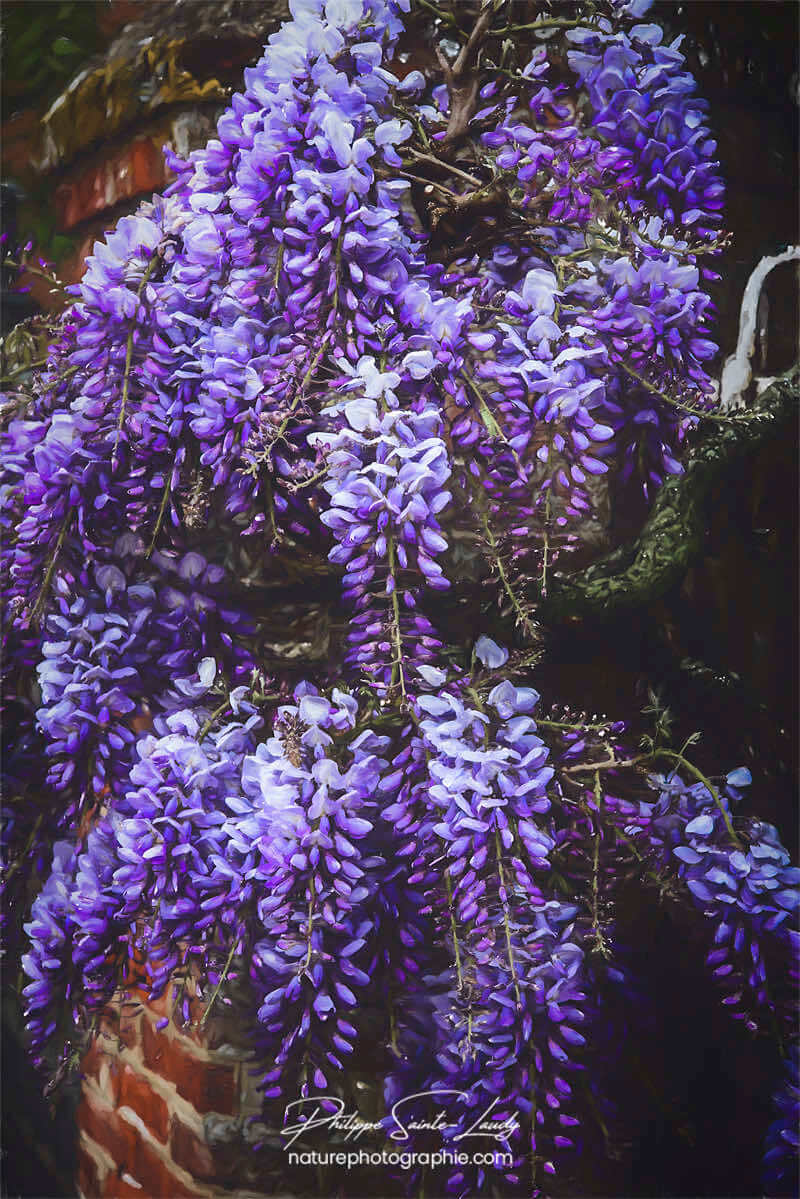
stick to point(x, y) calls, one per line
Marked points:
point(406, 320)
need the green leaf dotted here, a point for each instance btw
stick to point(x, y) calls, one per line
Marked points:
point(64, 47)
point(60, 246)
point(29, 35)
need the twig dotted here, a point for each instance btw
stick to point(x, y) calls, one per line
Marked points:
point(41, 599)
point(449, 167)
point(218, 987)
point(544, 23)
point(701, 778)
point(611, 763)
point(21, 370)
point(162, 509)
point(129, 354)
point(462, 79)
point(398, 674)
point(443, 15)
point(702, 413)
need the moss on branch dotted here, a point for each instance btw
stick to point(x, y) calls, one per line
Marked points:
point(673, 538)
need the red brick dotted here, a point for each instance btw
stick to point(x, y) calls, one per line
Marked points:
point(129, 1030)
point(104, 1126)
point(136, 1093)
point(208, 1086)
point(108, 1025)
point(112, 1081)
point(67, 205)
point(119, 1188)
point(136, 169)
point(90, 1173)
point(21, 140)
point(86, 197)
point(154, 1044)
point(190, 1152)
point(161, 1005)
point(101, 1066)
point(93, 1059)
point(146, 166)
point(158, 1180)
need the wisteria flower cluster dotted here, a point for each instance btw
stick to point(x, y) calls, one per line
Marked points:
point(739, 876)
point(399, 324)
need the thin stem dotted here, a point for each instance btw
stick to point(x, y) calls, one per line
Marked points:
point(605, 764)
point(126, 375)
point(701, 778)
point(309, 482)
point(278, 265)
point(271, 506)
point(161, 511)
point(309, 918)
point(307, 377)
point(492, 427)
point(213, 718)
point(567, 724)
point(523, 620)
point(447, 191)
point(546, 540)
point(600, 940)
point(504, 901)
point(668, 399)
point(544, 23)
point(450, 168)
point(443, 15)
point(260, 699)
point(41, 598)
point(624, 218)
point(398, 673)
point(220, 983)
point(453, 929)
point(21, 370)
point(27, 268)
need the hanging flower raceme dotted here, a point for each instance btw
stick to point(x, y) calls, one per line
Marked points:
point(296, 835)
point(115, 647)
point(96, 469)
point(644, 100)
point(738, 875)
point(388, 470)
point(48, 960)
point(139, 881)
point(507, 1008)
point(780, 1158)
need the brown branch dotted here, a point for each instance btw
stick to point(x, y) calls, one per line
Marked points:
point(463, 80)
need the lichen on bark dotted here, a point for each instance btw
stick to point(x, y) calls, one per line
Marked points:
point(639, 572)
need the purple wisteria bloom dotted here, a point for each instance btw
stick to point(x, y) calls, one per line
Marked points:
point(388, 473)
point(508, 1010)
point(738, 875)
point(48, 961)
point(296, 836)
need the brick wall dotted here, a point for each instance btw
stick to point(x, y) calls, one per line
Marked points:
point(94, 152)
point(165, 1113)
